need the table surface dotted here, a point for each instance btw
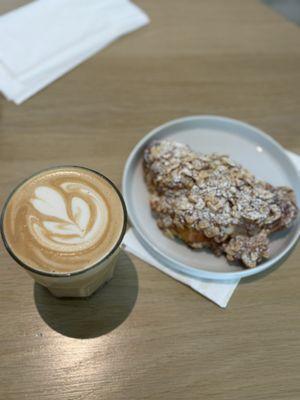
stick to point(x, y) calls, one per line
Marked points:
point(146, 336)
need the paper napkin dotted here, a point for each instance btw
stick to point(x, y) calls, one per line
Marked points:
point(47, 38)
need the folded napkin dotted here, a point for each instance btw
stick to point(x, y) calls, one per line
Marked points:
point(47, 38)
point(219, 292)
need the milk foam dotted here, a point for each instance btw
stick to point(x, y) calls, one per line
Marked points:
point(67, 232)
point(64, 219)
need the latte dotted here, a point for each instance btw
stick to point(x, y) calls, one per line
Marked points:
point(63, 220)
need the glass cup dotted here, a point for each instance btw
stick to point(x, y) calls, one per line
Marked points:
point(82, 282)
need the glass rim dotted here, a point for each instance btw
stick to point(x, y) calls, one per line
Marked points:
point(62, 274)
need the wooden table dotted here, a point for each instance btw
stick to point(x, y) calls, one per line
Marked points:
point(146, 336)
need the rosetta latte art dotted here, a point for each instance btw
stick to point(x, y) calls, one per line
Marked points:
point(68, 219)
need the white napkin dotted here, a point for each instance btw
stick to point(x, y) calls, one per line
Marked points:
point(219, 292)
point(47, 38)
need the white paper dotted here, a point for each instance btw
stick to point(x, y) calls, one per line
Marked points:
point(42, 41)
point(217, 291)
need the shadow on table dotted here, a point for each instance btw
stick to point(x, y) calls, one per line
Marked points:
point(97, 315)
point(261, 275)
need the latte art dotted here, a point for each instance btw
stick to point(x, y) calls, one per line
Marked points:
point(63, 219)
point(62, 232)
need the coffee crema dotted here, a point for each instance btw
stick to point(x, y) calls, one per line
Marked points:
point(63, 220)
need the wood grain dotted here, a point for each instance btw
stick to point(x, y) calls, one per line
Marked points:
point(145, 336)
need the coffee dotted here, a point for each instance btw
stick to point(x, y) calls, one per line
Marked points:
point(63, 220)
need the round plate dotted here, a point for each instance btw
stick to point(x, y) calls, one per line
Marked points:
point(247, 145)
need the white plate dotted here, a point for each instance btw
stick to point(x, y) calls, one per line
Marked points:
point(255, 150)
